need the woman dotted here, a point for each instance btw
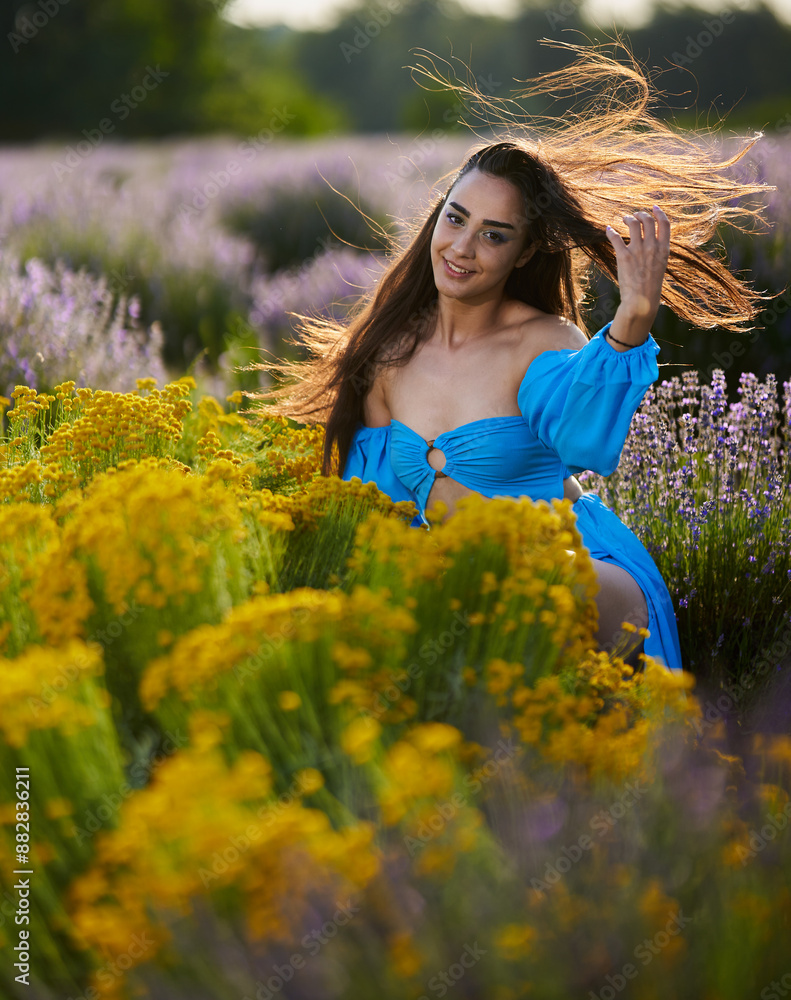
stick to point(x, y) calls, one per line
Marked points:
point(468, 371)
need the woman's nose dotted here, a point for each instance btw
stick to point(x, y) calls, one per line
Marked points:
point(463, 244)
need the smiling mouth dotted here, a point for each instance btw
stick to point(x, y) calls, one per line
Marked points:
point(454, 269)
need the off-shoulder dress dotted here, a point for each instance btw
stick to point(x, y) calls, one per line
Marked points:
point(576, 408)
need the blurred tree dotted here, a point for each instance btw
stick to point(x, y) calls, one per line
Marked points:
point(143, 67)
point(260, 76)
point(144, 63)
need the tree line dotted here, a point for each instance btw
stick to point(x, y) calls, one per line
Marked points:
point(138, 68)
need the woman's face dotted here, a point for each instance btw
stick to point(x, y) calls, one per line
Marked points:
point(479, 237)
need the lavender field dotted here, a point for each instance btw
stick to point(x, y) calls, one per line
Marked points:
point(195, 252)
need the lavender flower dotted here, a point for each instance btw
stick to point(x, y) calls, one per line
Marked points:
point(57, 325)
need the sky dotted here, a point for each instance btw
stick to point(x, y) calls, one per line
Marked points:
point(320, 14)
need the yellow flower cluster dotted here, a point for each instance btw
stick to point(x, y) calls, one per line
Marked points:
point(29, 405)
point(46, 688)
point(513, 941)
point(151, 531)
point(546, 575)
point(330, 496)
point(86, 431)
point(359, 737)
point(43, 594)
point(383, 541)
point(112, 427)
point(416, 768)
point(420, 791)
point(360, 622)
point(597, 715)
point(58, 594)
point(501, 677)
point(203, 827)
point(15, 481)
point(294, 453)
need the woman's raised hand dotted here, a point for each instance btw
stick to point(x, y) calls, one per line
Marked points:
point(642, 263)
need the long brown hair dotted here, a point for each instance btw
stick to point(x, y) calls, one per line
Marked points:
point(576, 176)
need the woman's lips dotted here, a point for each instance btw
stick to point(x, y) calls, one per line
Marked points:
point(455, 274)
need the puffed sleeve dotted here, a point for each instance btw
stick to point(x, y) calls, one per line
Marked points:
point(580, 403)
point(369, 460)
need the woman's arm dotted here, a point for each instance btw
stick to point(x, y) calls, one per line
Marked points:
point(375, 408)
point(572, 489)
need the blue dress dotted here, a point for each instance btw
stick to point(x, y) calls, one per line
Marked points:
point(576, 408)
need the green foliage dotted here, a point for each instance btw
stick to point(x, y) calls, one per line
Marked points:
point(288, 225)
point(259, 77)
point(74, 70)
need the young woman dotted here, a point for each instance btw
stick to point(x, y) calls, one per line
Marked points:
point(468, 370)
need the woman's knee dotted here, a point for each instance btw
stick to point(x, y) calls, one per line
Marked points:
point(621, 593)
point(619, 600)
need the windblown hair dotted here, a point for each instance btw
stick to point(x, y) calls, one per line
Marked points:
point(576, 176)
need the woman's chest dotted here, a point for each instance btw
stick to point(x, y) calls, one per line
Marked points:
point(434, 393)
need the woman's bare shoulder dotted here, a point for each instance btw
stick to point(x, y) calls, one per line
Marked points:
point(550, 333)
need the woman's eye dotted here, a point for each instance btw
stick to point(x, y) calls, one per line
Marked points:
point(456, 220)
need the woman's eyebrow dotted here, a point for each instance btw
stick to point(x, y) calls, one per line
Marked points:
point(486, 222)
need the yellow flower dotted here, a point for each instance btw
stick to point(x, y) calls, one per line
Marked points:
point(289, 700)
point(348, 658)
point(404, 957)
point(358, 738)
point(55, 808)
point(514, 941)
point(309, 780)
point(434, 737)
